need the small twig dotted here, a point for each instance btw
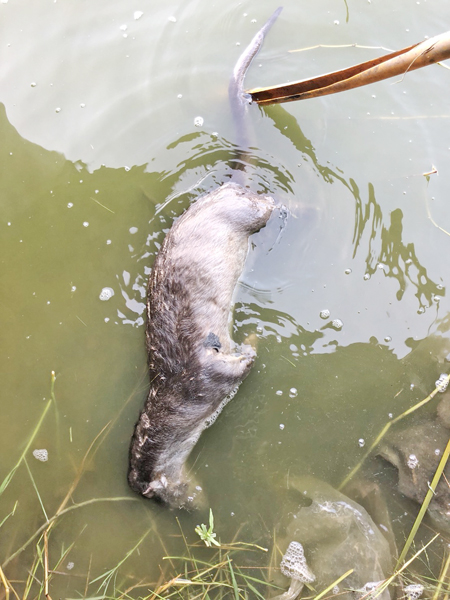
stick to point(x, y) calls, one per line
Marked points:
point(87, 578)
point(432, 172)
point(432, 220)
point(5, 584)
point(102, 205)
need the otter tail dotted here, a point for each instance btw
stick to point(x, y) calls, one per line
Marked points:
point(238, 99)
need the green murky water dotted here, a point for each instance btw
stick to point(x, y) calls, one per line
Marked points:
point(97, 130)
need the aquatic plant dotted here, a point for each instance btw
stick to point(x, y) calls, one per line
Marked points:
point(206, 534)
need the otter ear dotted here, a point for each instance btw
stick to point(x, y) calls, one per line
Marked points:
point(212, 341)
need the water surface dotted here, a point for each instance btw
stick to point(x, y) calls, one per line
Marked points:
point(98, 104)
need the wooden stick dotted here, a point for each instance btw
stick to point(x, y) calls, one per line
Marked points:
point(397, 63)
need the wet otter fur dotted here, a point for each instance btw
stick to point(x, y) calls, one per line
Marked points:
point(195, 367)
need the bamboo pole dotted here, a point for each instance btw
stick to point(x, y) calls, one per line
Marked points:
point(393, 64)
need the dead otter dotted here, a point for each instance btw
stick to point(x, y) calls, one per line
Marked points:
point(194, 365)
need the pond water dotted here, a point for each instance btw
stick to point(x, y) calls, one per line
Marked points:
point(100, 151)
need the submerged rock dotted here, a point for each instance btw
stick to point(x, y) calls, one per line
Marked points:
point(416, 451)
point(338, 535)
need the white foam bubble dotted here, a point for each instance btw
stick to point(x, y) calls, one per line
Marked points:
point(337, 324)
point(412, 461)
point(106, 294)
point(442, 382)
point(293, 564)
point(413, 591)
point(41, 454)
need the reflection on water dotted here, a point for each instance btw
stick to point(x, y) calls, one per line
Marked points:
point(387, 250)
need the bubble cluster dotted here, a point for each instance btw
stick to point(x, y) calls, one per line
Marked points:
point(413, 591)
point(337, 324)
point(212, 418)
point(198, 121)
point(324, 314)
point(293, 564)
point(412, 461)
point(106, 294)
point(368, 588)
point(442, 382)
point(41, 454)
point(361, 442)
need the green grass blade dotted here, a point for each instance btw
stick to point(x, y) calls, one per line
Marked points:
point(113, 572)
point(35, 488)
point(60, 514)
point(334, 584)
point(10, 475)
point(11, 514)
point(233, 579)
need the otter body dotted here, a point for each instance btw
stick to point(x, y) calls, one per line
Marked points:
point(194, 365)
